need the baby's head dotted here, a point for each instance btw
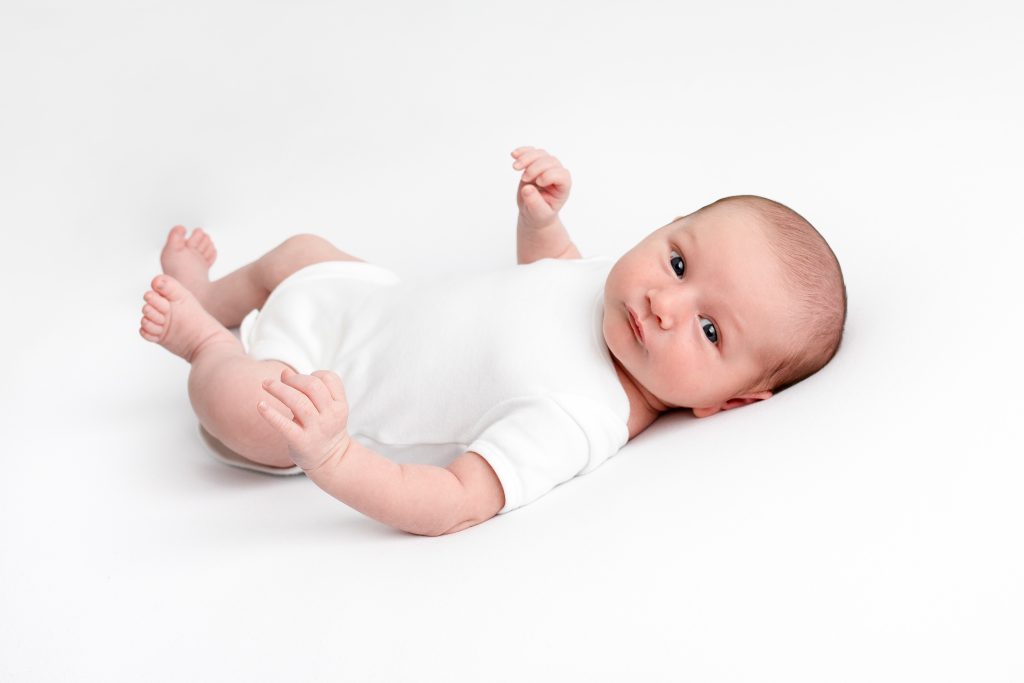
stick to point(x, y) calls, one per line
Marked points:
point(733, 302)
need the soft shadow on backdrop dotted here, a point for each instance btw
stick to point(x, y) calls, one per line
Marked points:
point(861, 526)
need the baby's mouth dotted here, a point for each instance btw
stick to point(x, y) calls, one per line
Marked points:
point(634, 323)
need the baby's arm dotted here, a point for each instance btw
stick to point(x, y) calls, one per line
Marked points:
point(421, 499)
point(543, 190)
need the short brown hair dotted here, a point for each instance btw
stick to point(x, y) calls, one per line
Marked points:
point(816, 282)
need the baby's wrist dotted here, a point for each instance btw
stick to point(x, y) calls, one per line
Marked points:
point(532, 226)
point(335, 454)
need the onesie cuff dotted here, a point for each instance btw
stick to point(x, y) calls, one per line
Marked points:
point(283, 352)
point(510, 483)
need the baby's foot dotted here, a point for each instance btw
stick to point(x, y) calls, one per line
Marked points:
point(189, 261)
point(174, 319)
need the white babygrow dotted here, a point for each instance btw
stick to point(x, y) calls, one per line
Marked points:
point(510, 364)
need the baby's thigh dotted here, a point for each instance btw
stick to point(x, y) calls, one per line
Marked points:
point(225, 401)
point(294, 254)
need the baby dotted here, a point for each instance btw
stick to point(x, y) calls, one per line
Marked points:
point(504, 384)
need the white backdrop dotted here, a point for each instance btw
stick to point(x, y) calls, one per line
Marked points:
point(864, 525)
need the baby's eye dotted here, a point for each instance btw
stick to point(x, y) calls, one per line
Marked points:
point(678, 264)
point(710, 331)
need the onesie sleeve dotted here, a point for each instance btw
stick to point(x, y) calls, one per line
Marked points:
point(533, 444)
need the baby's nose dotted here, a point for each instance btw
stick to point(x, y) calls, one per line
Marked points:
point(669, 305)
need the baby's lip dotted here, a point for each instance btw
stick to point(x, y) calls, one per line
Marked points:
point(634, 322)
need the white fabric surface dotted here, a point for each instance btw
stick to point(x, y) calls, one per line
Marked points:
point(509, 363)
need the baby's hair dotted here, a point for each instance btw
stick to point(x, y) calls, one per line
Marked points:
point(816, 283)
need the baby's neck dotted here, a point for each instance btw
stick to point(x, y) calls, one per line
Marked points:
point(644, 407)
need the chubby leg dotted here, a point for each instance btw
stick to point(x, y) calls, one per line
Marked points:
point(230, 298)
point(225, 384)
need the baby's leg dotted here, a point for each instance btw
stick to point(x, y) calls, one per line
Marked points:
point(224, 384)
point(230, 298)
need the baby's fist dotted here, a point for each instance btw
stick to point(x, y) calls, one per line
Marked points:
point(317, 432)
point(543, 188)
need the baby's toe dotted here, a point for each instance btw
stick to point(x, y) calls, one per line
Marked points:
point(176, 238)
point(169, 288)
point(161, 304)
point(151, 328)
point(154, 315)
point(196, 238)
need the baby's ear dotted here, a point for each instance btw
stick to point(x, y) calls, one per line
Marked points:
point(733, 403)
point(705, 412)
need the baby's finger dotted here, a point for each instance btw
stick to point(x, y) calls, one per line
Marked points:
point(312, 387)
point(295, 400)
point(519, 150)
point(557, 176)
point(291, 431)
point(334, 384)
point(538, 167)
point(528, 157)
point(537, 208)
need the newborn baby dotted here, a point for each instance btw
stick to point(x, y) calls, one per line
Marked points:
point(474, 395)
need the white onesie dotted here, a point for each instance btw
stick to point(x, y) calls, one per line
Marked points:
point(510, 364)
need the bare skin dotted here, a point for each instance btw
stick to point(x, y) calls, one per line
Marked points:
point(659, 324)
point(230, 298)
point(189, 315)
point(272, 415)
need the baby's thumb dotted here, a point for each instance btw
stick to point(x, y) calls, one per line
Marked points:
point(534, 202)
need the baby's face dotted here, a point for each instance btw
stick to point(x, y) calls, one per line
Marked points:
point(707, 294)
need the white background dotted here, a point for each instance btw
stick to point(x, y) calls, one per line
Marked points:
point(863, 526)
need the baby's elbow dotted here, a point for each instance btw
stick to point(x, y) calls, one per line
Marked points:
point(468, 494)
point(443, 530)
point(462, 525)
point(444, 518)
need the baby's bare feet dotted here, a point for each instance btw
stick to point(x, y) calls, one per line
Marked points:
point(173, 318)
point(189, 261)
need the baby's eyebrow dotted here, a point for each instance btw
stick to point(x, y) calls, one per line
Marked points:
point(687, 236)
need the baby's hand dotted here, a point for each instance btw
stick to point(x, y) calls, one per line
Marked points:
point(318, 431)
point(543, 188)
